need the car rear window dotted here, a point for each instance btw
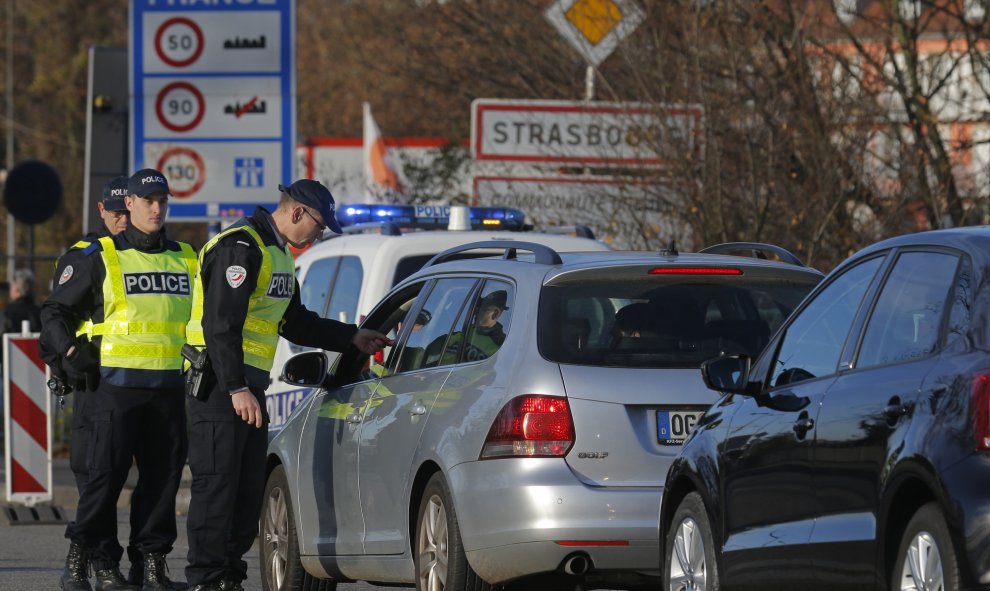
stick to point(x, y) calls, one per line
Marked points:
point(643, 323)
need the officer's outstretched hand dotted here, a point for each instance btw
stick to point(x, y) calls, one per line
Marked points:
point(246, 406)
point(370, 341)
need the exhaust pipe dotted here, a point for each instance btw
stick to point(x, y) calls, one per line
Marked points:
point(577, 564)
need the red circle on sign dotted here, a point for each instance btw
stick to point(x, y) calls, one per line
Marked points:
point(200, 106)
point(197, 162)
point(179, 20)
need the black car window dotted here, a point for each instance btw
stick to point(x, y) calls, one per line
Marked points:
point(908, 314)
point(433, 323)
point(491, 311)
point(644, 320)
point(815, 338)
point(346, 289)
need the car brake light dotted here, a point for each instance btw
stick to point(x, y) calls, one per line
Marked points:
point(695, 271)
point(531, 426)
point(981, 411)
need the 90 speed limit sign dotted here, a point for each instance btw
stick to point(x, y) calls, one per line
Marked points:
point(184, 169)
point(180, 106)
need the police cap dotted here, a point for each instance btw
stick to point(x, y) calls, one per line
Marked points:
point(147, 182)
point(313, 194)
point(114, 192)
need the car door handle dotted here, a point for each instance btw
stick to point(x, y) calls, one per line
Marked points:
point(417, 410)
point(353, 418)
point(803, 425)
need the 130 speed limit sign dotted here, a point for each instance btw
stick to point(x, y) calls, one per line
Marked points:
point(185, 170)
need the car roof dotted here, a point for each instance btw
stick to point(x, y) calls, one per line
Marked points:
point(974, 239)
point(587, 261)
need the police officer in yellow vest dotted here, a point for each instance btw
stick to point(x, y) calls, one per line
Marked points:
point(245, 297)
point(113, 217)
point(136, 288)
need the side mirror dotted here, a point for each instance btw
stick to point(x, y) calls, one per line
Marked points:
point(306, 369)
point(728, 373)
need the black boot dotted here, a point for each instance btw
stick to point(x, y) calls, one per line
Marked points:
point(206, 587)
point(230, 585)
point(75, 576)
point(155, 570)
point(135, 576)
point(109, 578)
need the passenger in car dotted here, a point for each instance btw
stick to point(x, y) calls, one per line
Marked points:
point(486, 333)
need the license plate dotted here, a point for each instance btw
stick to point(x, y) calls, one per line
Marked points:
point(433, 211)
point(673, 426)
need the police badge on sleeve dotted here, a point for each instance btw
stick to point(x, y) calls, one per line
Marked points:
point(236, 275)
point(66, 275)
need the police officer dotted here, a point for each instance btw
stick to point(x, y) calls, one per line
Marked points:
point(136, 288)
point(113, 215)
point(485, 335)
point(245, 297)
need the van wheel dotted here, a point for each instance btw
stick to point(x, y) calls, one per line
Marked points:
point(441, 564)
point(281, 569)
point(926, 559)
point(691, 564)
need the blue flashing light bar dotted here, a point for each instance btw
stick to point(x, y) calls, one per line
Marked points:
point(423, 217)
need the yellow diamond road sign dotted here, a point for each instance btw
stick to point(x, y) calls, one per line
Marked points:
point(594, 27)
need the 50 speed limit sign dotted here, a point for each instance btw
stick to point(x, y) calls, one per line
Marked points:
point(179, 42)
point(185, 170)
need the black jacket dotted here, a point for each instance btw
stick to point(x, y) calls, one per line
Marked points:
point(225, 308)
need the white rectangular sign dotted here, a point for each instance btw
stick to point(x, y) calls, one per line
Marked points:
point(624, 215)
point(580, 132)
point(241, 107)
point(211, 42)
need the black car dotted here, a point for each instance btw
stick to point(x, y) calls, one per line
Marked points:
point(853, 452)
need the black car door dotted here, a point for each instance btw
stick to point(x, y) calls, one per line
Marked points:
point(866, 412)
point(768, 486)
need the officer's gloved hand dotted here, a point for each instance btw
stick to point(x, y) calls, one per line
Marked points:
point(82, 363)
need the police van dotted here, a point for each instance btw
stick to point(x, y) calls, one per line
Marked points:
point(344, 276)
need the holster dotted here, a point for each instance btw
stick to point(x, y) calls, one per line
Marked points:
point(199, 376)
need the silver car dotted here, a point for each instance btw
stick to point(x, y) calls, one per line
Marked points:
point(520, 429)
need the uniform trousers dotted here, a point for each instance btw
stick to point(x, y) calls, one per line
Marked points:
point(82, 429)
point(124, 427)
point(227, 460)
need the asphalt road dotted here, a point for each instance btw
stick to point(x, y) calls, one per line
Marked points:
point(32, 556)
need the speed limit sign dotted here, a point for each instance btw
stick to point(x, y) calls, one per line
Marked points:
point(179, 42)
point(185, 170)
point(180, 106)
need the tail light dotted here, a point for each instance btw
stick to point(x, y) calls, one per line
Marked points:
point(531, 426)
point(981, 411)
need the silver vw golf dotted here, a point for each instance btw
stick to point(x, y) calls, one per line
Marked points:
point(519, 431)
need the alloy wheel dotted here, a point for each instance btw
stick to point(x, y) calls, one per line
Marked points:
point(276, 538)
point(687, 560)
point(431, 547)
point(923, 565)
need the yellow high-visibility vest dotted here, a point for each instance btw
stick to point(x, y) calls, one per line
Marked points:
point(269, 300)
point(147, 301)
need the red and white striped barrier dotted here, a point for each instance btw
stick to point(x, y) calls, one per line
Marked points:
point(28, 436)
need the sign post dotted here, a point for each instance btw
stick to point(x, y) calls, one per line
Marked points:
point(213, 102)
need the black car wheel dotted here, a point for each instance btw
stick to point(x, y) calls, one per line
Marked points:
point(280, 566)
point(691, 563)
point(440, 561)
point(926, 560)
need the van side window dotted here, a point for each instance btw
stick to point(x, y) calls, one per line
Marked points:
point(346, 290)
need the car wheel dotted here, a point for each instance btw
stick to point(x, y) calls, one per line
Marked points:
point(441, 564)
point(926, 559)
point(691, 563)
point(281, 569)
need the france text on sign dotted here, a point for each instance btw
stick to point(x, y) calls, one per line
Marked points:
point(594, 27)
point(211, 42)
point(623, 214)
point(213, 100)
point(589, 133)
